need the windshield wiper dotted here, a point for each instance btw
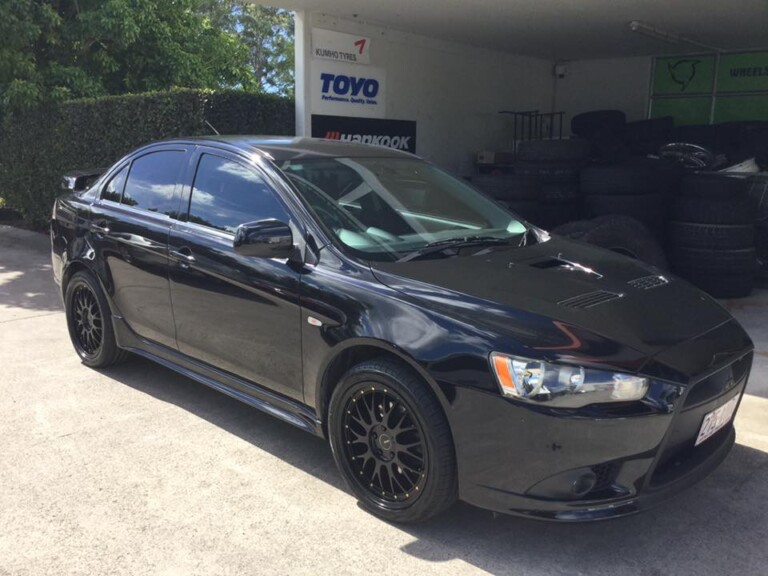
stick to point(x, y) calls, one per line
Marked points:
point(440, 245)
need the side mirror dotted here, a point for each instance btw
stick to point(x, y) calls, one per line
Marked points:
point(264, 239)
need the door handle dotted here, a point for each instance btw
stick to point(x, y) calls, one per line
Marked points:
point(100, 228)
point(184, 255)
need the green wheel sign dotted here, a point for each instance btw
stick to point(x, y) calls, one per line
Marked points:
point(684, 87)
point(743, 72)
point(684, 75)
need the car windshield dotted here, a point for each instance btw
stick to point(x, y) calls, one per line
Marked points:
point(394, 209)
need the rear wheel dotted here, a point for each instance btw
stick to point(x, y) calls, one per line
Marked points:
point(392, 443)
point(89, 322)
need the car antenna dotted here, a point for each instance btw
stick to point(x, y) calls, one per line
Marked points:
point(212, 128)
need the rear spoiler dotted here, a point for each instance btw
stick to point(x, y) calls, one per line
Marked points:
point(80, 180)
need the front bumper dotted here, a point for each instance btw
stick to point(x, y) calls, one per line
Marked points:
point(523, 460)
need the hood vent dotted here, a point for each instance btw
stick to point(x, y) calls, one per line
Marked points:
point(648, 282)
point(590, 299)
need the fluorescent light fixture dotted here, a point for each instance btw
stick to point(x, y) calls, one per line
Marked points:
point(653, 32)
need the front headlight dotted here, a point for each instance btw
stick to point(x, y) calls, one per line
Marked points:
point(561, 386)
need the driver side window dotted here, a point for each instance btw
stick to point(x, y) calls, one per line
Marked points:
point(226, 194)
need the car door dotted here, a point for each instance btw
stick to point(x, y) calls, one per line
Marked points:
point(129, 226)
point(237, 313)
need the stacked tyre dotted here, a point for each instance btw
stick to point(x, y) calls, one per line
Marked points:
point(759, 193)
point(517, 192)
point(620, 234)
point(712, 234)
point(637, 188)
point(605, 132)
point(555, 166)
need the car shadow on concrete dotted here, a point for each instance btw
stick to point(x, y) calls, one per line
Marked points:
point(719, 526)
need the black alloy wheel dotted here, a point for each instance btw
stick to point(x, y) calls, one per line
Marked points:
point(392, 443)
point(384, 445)
point(89, 322)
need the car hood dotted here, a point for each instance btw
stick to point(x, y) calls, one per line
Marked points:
point(562, 283)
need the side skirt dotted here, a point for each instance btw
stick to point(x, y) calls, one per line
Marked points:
point(279, 406)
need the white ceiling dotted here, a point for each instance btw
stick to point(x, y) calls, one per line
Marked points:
point(561, 29)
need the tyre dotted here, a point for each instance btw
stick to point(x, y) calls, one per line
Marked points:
point(740, 210)
point(721, 273)
point(89, 321)
point(560, 192)
point(639, 176)
point(590, 123)
point(722, 287)
point(550, 172)
point(650, 209)
point(526, 209)
point(701, 261)
point(507, 187)
point(714, 236)
point(392, 443)
point(761, 243)
point(574, 230)
point(713, 185)
point(620, 234)
point(652, 129)
point(758, 190)
point(553, 215)
point(566, 150)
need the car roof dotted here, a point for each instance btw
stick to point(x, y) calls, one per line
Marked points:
point(283, 148)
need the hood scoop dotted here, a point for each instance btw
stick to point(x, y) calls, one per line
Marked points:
point(648, 282)
point(560, 263)
point(590, 299)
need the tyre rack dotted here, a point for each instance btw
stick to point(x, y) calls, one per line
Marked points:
point(535, 125)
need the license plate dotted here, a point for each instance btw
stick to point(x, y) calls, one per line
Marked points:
point(717, 419)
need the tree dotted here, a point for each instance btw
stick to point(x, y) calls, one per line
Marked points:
point(268, 34)
point(55, 50)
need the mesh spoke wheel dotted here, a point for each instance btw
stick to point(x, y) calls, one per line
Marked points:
point(384, 445)
point(89, 324)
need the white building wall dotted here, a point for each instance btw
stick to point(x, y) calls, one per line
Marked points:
point(453, 92)
point(610, 84)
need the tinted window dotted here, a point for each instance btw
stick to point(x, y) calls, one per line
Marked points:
point(152, 181)
point(114, 188)
point(226, 194)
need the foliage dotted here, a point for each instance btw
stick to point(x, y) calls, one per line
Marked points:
point(55, 50)
point(268, 34)
point(38, 146)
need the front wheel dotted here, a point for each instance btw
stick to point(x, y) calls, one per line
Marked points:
point(392, 443)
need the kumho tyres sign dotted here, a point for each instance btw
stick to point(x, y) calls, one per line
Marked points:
point(685, 87)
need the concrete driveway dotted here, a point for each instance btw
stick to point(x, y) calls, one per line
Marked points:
point(137, 470)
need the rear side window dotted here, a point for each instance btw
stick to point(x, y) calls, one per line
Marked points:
point(226, 194)
point(114, 188)
point(152, 181)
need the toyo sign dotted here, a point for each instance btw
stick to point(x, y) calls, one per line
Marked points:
point(348, 90)
point(342, 85)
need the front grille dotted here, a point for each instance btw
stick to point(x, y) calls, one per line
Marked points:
point(648, 282)
point(680, 454)
point(590, 299)
point(718, 383)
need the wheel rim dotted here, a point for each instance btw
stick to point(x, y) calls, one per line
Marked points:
point(384, 446)
point(88, 323)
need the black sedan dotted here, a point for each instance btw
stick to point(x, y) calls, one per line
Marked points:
point(446, 348)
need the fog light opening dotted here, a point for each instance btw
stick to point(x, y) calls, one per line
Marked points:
point(584, 484)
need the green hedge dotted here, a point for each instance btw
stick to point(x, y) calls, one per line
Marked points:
point(38, 146)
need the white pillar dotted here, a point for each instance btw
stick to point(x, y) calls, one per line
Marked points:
point(302, 71)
